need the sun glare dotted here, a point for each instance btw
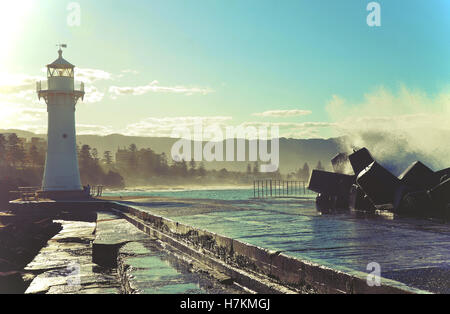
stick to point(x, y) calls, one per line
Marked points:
point(13, 16)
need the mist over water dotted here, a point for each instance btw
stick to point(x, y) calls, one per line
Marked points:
point(397, 150)
point(398, 129)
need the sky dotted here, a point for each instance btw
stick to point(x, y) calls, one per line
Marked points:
point(313, 68)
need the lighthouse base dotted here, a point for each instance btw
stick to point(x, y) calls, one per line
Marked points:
point(64, 195)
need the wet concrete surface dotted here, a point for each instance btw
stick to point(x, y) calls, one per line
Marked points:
point(152, 270)
point(65, 265)
point(413, 251)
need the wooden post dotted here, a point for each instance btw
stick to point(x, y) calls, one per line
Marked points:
point(254, 189)
point(304, 188)
point(270, 188)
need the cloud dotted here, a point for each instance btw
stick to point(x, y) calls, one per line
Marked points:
point(128, 71)
point(92, 75)
point(18, 85)
point(293, 129)
point(93, 129)
point(93, 94)
point(156, 88)
point(16, 115)
point(398, 127)
point(163, 127)
point(283, 113)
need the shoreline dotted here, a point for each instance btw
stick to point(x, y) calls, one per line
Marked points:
point(178, 188)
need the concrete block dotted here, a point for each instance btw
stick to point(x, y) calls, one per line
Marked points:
point(381, 186)
point(417, 204)
point(443, 173)
point(440, 195)
point(360, 160)
point(330, 183)
point(359, 201)
point(419, 177)
point(341, 164)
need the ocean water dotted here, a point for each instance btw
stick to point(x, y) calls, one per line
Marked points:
point(226, 194)
point(218, 194)
point(294, 226)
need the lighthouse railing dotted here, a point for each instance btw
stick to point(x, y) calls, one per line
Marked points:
point(79, 86)
point(41, 86)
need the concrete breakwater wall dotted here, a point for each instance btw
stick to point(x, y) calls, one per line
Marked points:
point(254, 267)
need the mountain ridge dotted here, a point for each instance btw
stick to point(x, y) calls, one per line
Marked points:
point(293, 152)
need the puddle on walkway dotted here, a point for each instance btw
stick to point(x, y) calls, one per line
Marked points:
point(156, 271)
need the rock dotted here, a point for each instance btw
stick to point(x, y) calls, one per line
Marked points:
point(360, 159)
point(419, 177)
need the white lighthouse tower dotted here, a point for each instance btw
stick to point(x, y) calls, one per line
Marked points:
point(62, 176)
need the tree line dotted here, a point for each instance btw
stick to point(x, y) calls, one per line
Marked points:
point(132, 166)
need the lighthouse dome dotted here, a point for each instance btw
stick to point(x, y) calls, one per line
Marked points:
point(60, 63)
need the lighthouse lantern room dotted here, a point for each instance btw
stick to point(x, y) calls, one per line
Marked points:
point(61, 176)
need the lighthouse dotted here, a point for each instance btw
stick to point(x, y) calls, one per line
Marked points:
point(61, 94)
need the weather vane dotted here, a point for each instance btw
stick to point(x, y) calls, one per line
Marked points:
point(61, 46)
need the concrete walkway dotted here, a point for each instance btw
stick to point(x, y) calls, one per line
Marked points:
point(65, 264)
point(111, 256)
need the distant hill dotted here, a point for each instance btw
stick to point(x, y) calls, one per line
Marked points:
point(293, 152)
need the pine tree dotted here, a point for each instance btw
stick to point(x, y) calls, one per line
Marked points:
point(306, 172)
point(95, 153)
point(15, 152)
point(256, 168)
point(192, 166)
point(34, 157)
point(201, 170)
point(107, 157)
point(319, 166)
point(2, 149)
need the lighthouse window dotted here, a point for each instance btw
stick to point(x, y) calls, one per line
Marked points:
point(64, 135)
point(60, 72)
